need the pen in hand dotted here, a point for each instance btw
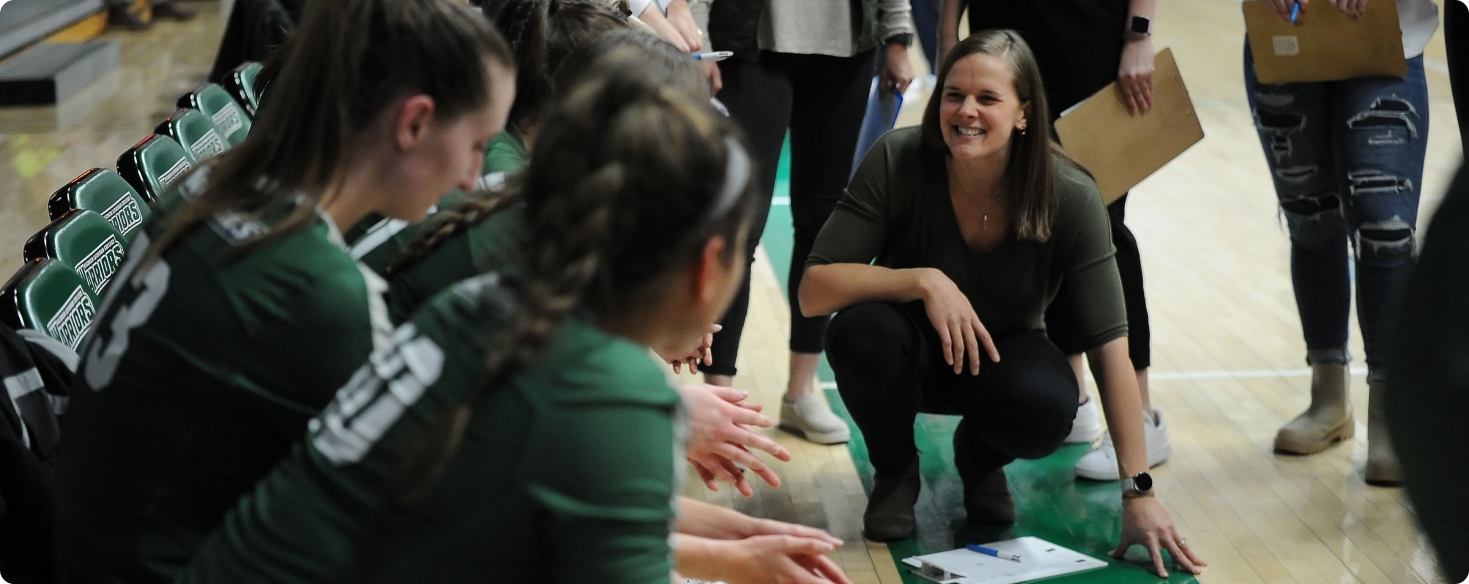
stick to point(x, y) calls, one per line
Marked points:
point(1295, 12)
point(992, 552)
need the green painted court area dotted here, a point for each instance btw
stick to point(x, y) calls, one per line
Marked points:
point(1052, 504)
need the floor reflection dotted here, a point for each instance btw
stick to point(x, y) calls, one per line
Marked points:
point(41, 148)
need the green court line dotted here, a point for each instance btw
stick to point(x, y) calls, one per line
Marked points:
point(1052, 504)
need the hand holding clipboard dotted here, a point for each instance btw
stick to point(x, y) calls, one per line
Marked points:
point(1325, 43)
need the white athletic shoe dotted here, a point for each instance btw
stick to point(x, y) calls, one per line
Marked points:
point(811, 416)
point(1101, 463)
point(1086, 428)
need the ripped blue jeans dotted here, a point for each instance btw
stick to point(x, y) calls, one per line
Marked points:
point(1347, 160)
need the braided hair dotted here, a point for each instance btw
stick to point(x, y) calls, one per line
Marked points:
point(628, 181)
point(453, 221)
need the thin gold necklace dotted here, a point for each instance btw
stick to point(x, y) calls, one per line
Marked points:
point(985, 212)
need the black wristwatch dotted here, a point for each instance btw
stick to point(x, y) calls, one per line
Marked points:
point(902, 38)
point(1138, 485)
point(1138, 27)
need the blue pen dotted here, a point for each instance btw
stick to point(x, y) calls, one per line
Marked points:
point(1295, 11)
point(714, 56)
point(992, 552)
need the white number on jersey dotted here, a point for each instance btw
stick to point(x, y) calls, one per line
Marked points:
point(105, 350)
point(375, 398)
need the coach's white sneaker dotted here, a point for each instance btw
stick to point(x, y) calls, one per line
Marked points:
point(1101, 463)
point(1086, 428)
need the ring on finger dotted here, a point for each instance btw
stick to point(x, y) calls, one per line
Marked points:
point(1183, 542)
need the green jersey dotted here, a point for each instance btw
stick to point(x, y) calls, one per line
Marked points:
point(202, 369)
point(495, 244)
point(507, 152)
point(375, 228)
point(567, 473)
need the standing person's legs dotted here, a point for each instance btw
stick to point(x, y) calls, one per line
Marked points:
point(830, 98)
point(1456, 43)
point(1381, 127)
point(1139, 330)
point(1101, 463)
point(758, 96)
point(1294, 123)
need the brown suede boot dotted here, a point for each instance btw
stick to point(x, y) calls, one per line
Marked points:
point(1327, 421)
point(1382, 462)
point(890, 515)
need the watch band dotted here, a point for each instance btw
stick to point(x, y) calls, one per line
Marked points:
point(1138, 485)
point(1138, 27)
point(902, 38)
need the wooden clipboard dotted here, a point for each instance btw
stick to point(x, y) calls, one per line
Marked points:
point(1325, 44)
point(1122, 149)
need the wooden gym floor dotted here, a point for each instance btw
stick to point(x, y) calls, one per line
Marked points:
point(1228, 359)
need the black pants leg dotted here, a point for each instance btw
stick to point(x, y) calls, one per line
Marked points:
point(1130, 268)
point(888, 365)
point(1061, 320)
point(830, 101)
point(1456, 27)
point(758, 95)
point(821, 100)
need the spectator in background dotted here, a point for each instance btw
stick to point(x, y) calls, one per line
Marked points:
point(803, 67)
point(1347, 161)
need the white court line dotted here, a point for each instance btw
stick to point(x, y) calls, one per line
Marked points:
point(780, 202)
point(1193, 375)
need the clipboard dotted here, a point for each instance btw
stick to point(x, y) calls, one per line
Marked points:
point(1327, 45)
point(1121, 149)
point(1038, 559)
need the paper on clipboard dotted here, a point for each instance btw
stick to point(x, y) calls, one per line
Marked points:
point(1325, 44)
point(1122, 149)
point(1038, 559)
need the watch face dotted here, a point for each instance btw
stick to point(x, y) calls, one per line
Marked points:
point(1139, 25)
point(1143, 482)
